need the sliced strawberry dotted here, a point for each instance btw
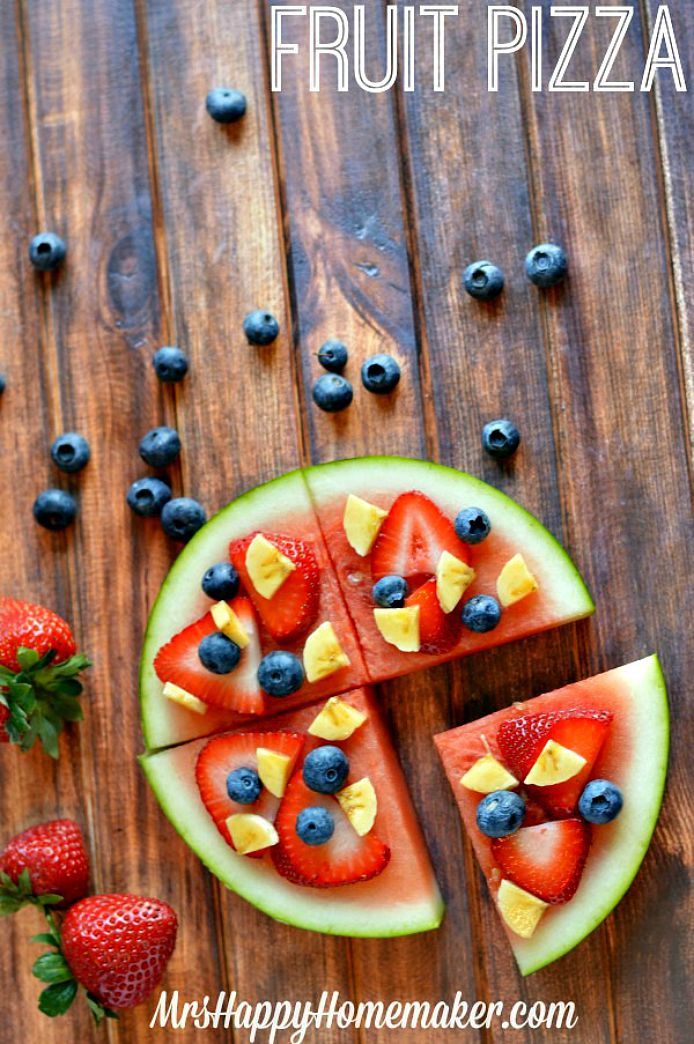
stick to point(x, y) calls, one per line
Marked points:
point(547, 859)
point(294, 607)
point(412, 538)
point(534, 812)
point(178, 662)
point(438, 631)
point(522, 739)
point(345, 859)
point(225, 753)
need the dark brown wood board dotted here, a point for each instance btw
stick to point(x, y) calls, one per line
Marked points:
point(349, 215)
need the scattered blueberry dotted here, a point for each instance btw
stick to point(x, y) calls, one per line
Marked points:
point(546, 265)
point(225, 104)
point(260, 327)
point(70, 452)
point(147, 497)
point(601, 801)
point(380, 374)
point(55, 509)
point(3, 382)
point(182, 517)
point(472, 525)
point(170, 364)
point(481, 613)
point(332, 393)
point(325, 769)
point(333, 356)
point(500, 813)
point(244, 786)
point(500, 439)
point(218, 653)
point(390, 592)
point(483, 280)
point(160, 447)
point(280, 673)
point(315, 826)
point(221, 582)
point(47, 251)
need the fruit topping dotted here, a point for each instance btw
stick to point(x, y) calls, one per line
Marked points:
point(500, 813)
point(221, 582)
point(332, 393)
point(244, 785)
point(70, 452)
point(146, 497)
point(555, 764)
point(472, 525)
point(380, 374)
point(481, 614)
point(399, 627)
point(515, 581)
point(361, 522)
point(280, 673)
point(261, 328)
point(390, 592)
point(170, 364)
point(337, 720)
point(218, 653)
point(229, 624)
point(323, 654)
point(160, 447)
point(293, 605)
point(438, 631)
point(182, 517)
point(184, 699)
point(487, 775)
point(315, 825)
point(500, 439)
point(325, 769)
point(600, 802)
point(250, 832)
point(274, 770)
point(520, 910)
point(358, 802)
point(452, 579)
point(412, 539)
point(546, 860)
point(266, 566)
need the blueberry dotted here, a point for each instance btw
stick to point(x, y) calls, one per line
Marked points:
point(3, 382)
point(380, 374)
point(500, 438)
point(55, 509)
point(160, 447)
point(225, 104)
point(315, 826)
point(70, 452)
point(332, 393)
point(390, 592)
point(325, 769)
point(244, 786)
point(483, 280)
point(221, 582)
point(47, 251)
point(472, 525)
point(500, 813)
point(170, 364)
point(546, 264)
point(601, 801)
point(260, 327)
point(218, 653)
point(182, 517)
point(481, 614)
point(280, 673)
point(147, 497)
point(333, 356)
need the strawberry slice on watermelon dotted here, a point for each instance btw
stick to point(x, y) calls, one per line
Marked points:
point(412, 539)
point(522, 739)
point(223, 755)
point(438, 631)
point(546, 860)
point(294, 607)
point(178, 662)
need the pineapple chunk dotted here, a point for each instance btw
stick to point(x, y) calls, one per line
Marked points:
point(250, 832)
point(520, 909)
point(226, 621)
point(267, 567)
point(337, 720)
point(323, 654)
point(273, 769)
point(487, 775)
point(555, 764)
point(515, 581)
point(452, 578)
point(400, 627)
point(359, 804)
point(362, 522)
point(185, 699)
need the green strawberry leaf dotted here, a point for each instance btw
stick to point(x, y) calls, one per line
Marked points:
point(48, 734)
point(98, 1010)
point(52, 967)
point(57, 998)
point(46, 937)
point(27, 658)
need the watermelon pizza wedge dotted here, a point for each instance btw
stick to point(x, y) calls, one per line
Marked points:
point(559, 796)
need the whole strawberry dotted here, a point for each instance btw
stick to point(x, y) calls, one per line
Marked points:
point(38, 675)
point(46, 863)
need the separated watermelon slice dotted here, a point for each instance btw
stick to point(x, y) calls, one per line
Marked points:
point(401, 895)
point(618, 724)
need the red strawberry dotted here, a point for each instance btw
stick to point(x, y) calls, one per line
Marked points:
point(23, 625)
point(345, 859)
point(55, 858)
point(546, 860)
point(118, 946)
point(178, 662)
point(294, 607)
point(438, 631)
point(412, 538)
point(225, 753)
point(4, 715)
point(522, 739)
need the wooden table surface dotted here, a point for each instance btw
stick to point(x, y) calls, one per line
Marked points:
point(347, 215)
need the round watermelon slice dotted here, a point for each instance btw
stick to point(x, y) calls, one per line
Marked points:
point(634, 755)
